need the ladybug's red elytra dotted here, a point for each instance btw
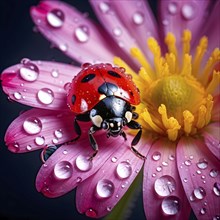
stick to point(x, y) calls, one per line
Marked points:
point(106, 96)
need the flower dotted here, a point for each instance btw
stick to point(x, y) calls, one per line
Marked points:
point(179, 112)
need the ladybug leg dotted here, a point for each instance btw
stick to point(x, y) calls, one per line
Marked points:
point(92, 140)
point(135, 115)
point(123, 134)
point(135, 125)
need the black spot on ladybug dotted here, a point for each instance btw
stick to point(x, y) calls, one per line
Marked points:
point(88, 77)
point(107, 89)
point(73, 99)
point(131, 93)
point(113, 73)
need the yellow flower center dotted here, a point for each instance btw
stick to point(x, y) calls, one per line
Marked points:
point(176, 91)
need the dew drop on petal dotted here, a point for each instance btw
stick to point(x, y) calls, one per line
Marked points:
point(203, 211)
point(105, 188)
point(58, 133)
point(202, 164)
point(83, 163)
point(124, 170)
point(14, 147)
point(188, 162)
point(65, 152)
point(117, 31)
point(63, 47)
point(171, 157)
point(90, 213)
point(213, 173)
point(55, 73)
point(199, 193)
point(104, 7)
point(138, 18)
point(170, 205)
point(164, 185)
point(39, 140)
point(114, 159)
point(185, 180)
point(172, 8)
point(156, 156)
point(55, 18)
point(28, 147)
point(78, 179)
point(45, 96)
point(216, 217)
point(188, 11)
point(29, 72)
point(82, 33)
point(63, 170)
point(159, 168)
point(32, 125)
point(216, 189)
point(17, 95)
point(109, 208)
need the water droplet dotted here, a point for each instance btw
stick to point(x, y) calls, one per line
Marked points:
point(172, 8)
point(39, 140)
point(203, 211)
point(82, 33)
point(114, 159)
point(28, 147)
point(14, 147)
point(45, 96)
point(109, 208)
point(83, 163)
point(65, 152)
point(138, 18)
point(124, 170)
point(55, 141)
point(55, 73)
point(63, 47)
point(202, 164)
point(105, 188)
point(198, 172)
point(165, 164)
point(55, 18)
point(78, 179)
point(29, 72)
point(213, 173)
point(170, 205)
point(165, 22)
point(156, 156)
point(104, 7)
point(216, 189)
point(188, 162)
point(63, 170)
point(188, 11)
point(91, 213)
point(154, 174)
point(217, 217)
point(32, 125)
point(58, 133)
point(159, 168)
point(117, 31)
point(199, 193)
point(171, 157)
point(17, 95)
point(164, 185)
point(185, 180)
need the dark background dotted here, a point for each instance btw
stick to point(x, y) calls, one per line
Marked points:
point(18, 197)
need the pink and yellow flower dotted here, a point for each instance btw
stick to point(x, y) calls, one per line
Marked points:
point(179, 111)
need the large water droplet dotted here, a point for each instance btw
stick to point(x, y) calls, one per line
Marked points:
point(202, 164)
point(138, 18)
point(172, 8)
point(188, 11)
point(104, 7)
point(29, 72)
point(39, 140)
point(165, 185)
point(83, 163)
point(55, 18)
point(32, 125)
point(156, 156)
point(105, 188)
point(91, 213)
point(82, 33)
point(199, 193)
point(124, 170)
point(213, 173)
point(45, 96)
point(14, 147)
point(170, 205)
point(216, 189)
point(63, 170)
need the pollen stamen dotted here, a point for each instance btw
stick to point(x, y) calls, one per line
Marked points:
point(187, 67)
point(209, 106)
point(188, 121)
point(170, 41)
point(171, 61)
point(186, 41)
point(214, 82)
point(201, 117)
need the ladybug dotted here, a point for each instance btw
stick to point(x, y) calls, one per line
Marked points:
point(106, 96)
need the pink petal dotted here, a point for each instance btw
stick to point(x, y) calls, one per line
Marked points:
point(128, 22)
point(97, 195)
point(36, 128)
point(211, 135)
point(38, 83)
point(199, 172)
point(72, 32)
point(163, 193)
point(175, 16)
point(54, 179)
